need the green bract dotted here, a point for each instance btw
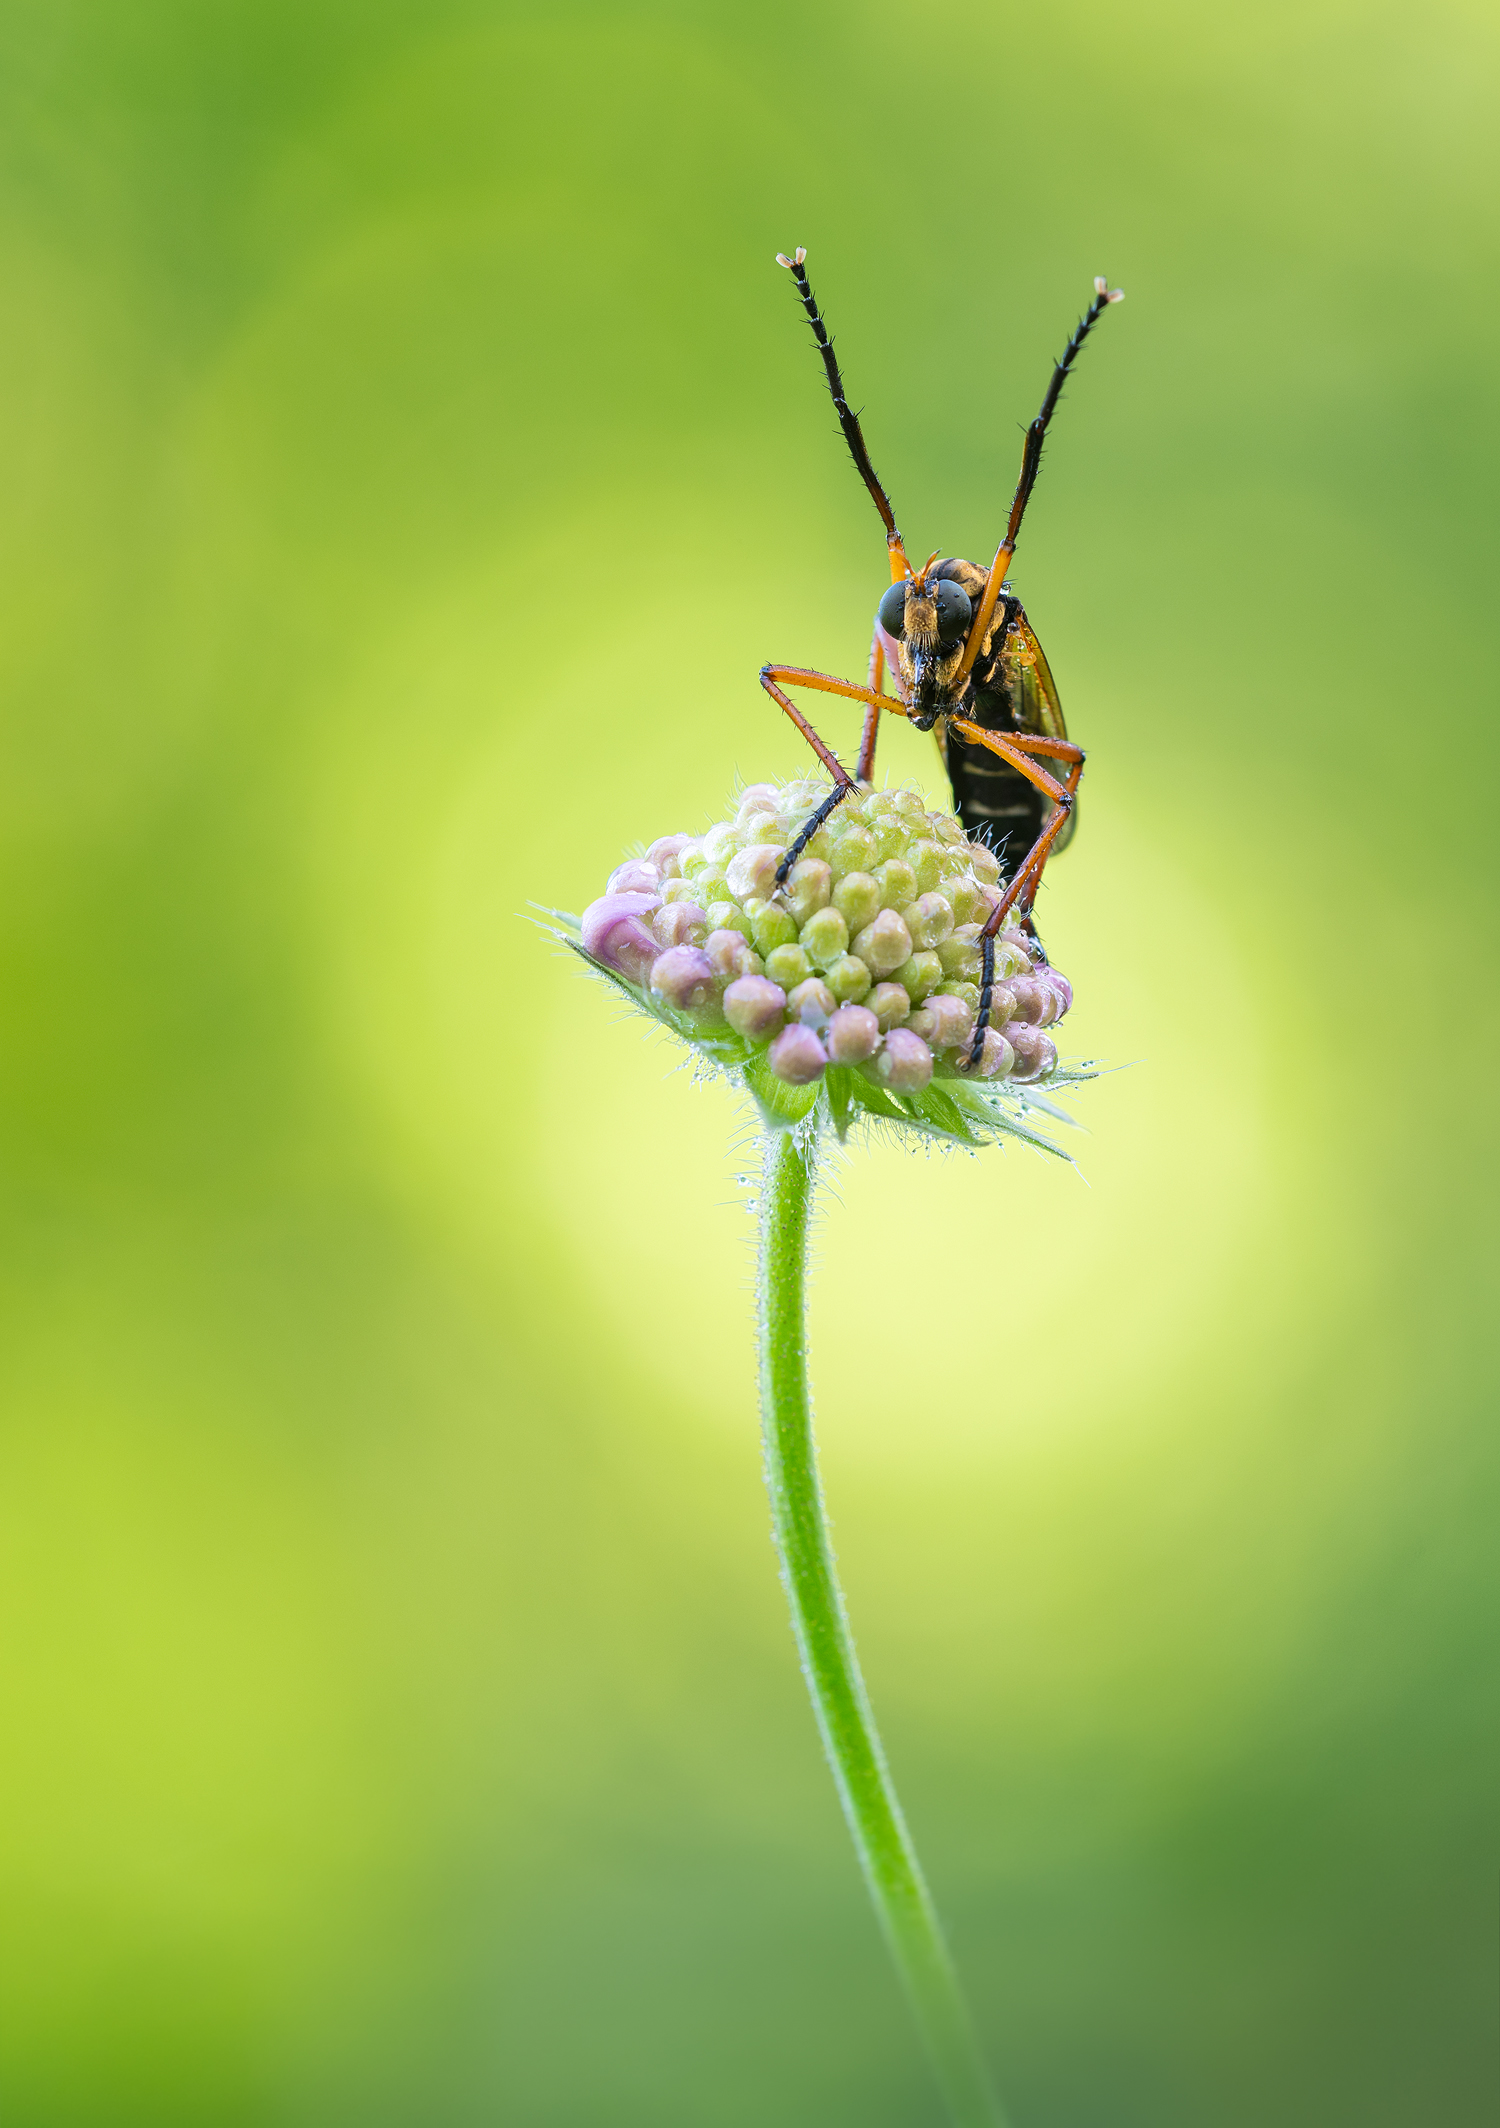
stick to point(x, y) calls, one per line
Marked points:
point(850, 990)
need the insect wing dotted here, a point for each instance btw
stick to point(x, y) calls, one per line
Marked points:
point(1034, 693)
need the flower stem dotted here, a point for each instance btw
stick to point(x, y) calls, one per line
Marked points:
point(881, 1840)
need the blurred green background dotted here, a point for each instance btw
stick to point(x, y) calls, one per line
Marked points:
point(410, 453)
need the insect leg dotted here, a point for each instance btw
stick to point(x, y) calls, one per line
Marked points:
point(1031, 459)
point(866, 769)
point(843, 782)
point(1016, 747)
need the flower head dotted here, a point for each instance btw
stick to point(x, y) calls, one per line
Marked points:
point(849, 990)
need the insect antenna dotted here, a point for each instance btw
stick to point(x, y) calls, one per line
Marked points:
point(1031, 455)
point(848, 419)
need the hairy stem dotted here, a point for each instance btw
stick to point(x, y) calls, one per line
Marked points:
point(881, 1840)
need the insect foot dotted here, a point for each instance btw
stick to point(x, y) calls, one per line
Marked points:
point(848, 985)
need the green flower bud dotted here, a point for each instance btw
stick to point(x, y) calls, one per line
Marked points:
point(926, 861)
point(969, 992)
point(808, 886)
point(678, 890)
point(857, 899)
point(897, 883)
point(848, 978)
point(884, 944)
point(712, 886)
point(824, 937)
point(854, 851)
point(890, 833)
point(788, 965)
point(920, 975)
point(960, 954)
point(772, 926)
point(890, 1005)
point(983, 863)
point(929, 920)
point(729, 916)
point(721, 842)
point(964, 897)
point(691, 860)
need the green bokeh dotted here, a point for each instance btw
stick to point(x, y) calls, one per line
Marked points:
point(410, 453)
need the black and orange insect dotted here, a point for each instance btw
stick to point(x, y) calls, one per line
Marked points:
point(965, 661)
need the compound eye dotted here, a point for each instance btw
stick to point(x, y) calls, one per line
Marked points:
point(891, 612)
point(954, 612)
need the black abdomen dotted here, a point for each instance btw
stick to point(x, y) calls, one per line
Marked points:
point(994, 802)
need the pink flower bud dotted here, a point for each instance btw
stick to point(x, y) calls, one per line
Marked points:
point(812, 1002)
point(1034, 1002)
point(680, 923)
point(1017, 938)
point(797, 1056)
point(759, 798)
point(996, 1056)
point(1035, 1054)
point(614, 934)
point(664, 853)
point(684, 976)
point(852, 1035)
point(636, 876)
point(753, 871)
point(952, 1022)
point(1059, 982)
point(905, 1063)
point(732, 955)
point(754, 1006)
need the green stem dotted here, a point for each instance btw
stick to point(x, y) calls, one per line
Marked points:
point(881, 1840)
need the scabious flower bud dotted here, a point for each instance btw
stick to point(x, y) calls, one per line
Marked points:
point(683, 976)
point(852, 851)
point(812, 1003)
point(824, 937)
point(863, 965)
point(904, 1063)
point(884, 944)
point(636, 876)
point(848, 978)
point(755, 1007)
point(797, 1056)
point(857, 899)
point(680, 923)
point(929, 919)
point(852, 1035)
point(788, 965)
point(753, 871)
point(996, 1056)
point(897, 883)
point(808, 887)
point(772, 926)
point(890, 1003)
point(613, 933)
point(920, 976)
point(732, 955)
point(665, 852)
point(1035, 1053)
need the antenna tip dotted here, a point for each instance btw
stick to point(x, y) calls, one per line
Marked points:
point(1102, 288)
point(796, 258)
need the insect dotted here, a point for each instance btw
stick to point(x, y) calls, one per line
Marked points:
point(964, 660)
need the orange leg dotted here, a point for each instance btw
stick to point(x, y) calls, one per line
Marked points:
point(1015, 747)
point(843, 782)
